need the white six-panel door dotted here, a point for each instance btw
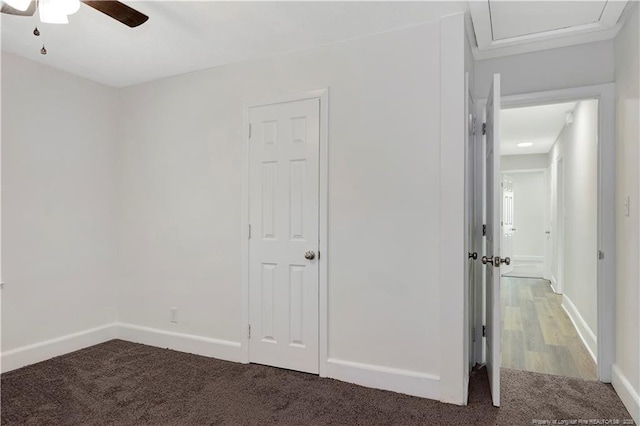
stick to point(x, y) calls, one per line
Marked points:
point(283, 247)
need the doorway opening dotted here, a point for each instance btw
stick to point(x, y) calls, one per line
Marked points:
point(549, 229)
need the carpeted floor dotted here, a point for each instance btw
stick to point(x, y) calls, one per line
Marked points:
point(124, 383)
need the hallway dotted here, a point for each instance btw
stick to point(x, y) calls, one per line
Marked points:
point(537, 334)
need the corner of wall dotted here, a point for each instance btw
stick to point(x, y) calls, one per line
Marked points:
point(42, 351)
point(453, 360)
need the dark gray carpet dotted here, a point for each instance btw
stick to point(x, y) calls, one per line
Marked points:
point(130, 384)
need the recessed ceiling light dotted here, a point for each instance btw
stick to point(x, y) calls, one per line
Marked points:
point(524, 144)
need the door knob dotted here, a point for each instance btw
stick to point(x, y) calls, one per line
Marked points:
point(473, 255)
point(496, 261)
point(488, 260)
point(310, 255)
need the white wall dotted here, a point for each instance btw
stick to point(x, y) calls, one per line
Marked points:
point(626, 377)
point(521, 162)
point(180, 189)
point(573, 66)
point(58, 203)
point(577, 145)
point(152, 173)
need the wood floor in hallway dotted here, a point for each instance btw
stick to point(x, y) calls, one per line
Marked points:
point(537, 334)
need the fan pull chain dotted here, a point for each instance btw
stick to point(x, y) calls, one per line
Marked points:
point(36, 32)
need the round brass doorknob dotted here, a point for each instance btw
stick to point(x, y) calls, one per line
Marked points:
point(486, 260)
point(310, 255)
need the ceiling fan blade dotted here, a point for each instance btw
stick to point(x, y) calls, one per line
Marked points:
point(11, 11)
point(118, 11)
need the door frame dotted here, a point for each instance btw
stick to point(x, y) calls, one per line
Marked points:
point(323, 314)
point(606, 288)
point(559, 237)
point(471, 242)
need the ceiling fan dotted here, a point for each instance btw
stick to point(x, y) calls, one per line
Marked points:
point(57, 11)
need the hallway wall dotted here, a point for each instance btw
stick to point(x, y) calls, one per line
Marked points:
point(577, 145)
point(527, 161)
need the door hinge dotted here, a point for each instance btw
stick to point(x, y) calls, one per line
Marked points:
point(484, 331)
point(484, 230)
point(484, 128)
point(249, 332)
point(473, 126)
point(249, 231)
point(600, 255)
point(249, 131)
point(473, 334)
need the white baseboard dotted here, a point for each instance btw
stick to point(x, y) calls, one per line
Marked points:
point(199, 345)
point(630, 397)
point(586, 334)
point(397, 380)
point(37, 352)
point(373, 376)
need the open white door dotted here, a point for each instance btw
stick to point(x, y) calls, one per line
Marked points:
point(492, 259)
point(507, 221)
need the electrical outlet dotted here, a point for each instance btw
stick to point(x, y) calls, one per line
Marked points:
point(174, 315)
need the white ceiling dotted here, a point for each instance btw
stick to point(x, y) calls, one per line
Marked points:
point(185, 36)
point(540, 125)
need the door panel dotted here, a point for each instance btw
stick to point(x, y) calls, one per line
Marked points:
point(284, 199)
point(507, 222)
point(493, 197)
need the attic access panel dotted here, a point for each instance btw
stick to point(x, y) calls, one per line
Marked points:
point(500, 24)
point(515, 19)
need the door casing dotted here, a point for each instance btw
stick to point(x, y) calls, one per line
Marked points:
point(559, 249)
point(323, 96)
